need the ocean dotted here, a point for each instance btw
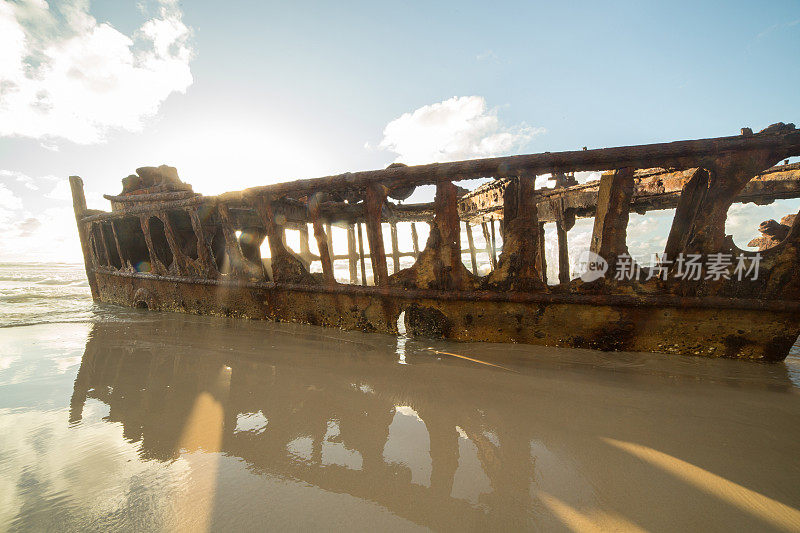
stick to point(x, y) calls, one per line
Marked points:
point(131, 420)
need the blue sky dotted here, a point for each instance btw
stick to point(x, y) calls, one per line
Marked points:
point(242, 93)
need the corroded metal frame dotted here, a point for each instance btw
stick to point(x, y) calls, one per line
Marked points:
point(440, 295)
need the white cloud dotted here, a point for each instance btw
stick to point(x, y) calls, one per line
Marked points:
point(489, 55)
point(64, 75)
point(26, 180)
point(36, 226)
point(8, 200)
point(459, 128)
point(61, 191)
point(50, 235)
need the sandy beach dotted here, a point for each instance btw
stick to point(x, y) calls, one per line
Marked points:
point(147, 421)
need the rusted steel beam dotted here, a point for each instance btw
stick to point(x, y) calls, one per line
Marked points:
point(517, 267)
point(147, 209)
point(471, 243)
point(685, 212)
point(155, 263)
point(361, 255)
point(413, 212)
point(563, 252)
point(250, 241)
point(93, 253)
point(116, 243)
point(489, 249)
point(181, 261)
point(611, 221)
point(447, 224)
point(439, 265)
point(322, 239)
point(204, 253)
point(654, 189)
point(240, 266)
point(780, 140)
point(395, 251)
point(542, 264)
point(729, 176)
point(376, 196)
point(352, 254)
point(285, 266)
point(107, 255)
point(659, 189)
point(494, 242)
point(305, 250)
point(639, 300)
point(329, 239)
point(151, 197)
point(415, 239)
point(773, 232)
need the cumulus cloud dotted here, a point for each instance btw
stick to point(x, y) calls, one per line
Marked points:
point(36, 226)
point(64, 75)
point(462, 127)
point(8, 200)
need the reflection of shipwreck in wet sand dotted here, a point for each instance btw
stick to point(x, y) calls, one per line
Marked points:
point(452, 444)
point(165, 247)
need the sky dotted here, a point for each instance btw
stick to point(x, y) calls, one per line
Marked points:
point(237, 94)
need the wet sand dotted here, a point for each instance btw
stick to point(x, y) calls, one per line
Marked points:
point(149, 421)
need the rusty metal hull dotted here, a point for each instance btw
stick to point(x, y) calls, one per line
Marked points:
point(741, 329)
point(164, 247)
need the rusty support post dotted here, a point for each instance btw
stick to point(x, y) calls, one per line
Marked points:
point(238, 263)
point(352, 254)
point(487, 237)
point(471, 242)
point(439, 265)
point(692, 195)
point(494, 243)
point(204, 252)
point(563, 252)
point(178, 256)
point(79, 206)
point(155, 263)
point(105, 246)
point(542, 266)
point(729, 175)
point(518, 265)
point(285, 265)
point(122, 260)
point(375, 198)
point(305, 250)
point(329, 241)
point(361, 255)
point(415, 240)
point(322, 240)
point(611, 217)
point(448, 244)
point(395, 251)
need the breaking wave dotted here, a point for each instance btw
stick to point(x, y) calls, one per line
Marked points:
point(35, 293)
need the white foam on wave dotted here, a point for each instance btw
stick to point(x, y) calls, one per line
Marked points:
point(35, 293)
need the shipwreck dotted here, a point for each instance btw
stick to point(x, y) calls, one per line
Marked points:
point(164, 247)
